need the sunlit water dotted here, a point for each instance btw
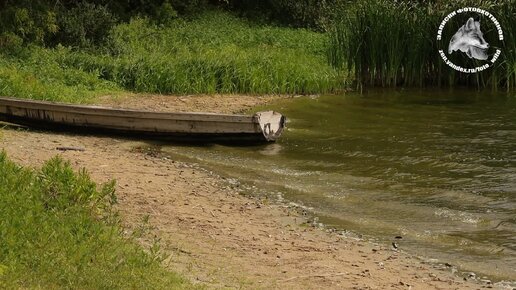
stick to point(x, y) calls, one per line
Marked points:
point(437, 168)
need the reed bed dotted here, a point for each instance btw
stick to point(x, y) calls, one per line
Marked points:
point(393, 43)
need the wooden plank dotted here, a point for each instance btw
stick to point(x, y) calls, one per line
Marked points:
point(133, 123)
point(104, 111)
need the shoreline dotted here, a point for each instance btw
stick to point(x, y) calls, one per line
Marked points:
point(214, 235)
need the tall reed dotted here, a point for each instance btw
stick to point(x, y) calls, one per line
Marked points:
point(393, 43)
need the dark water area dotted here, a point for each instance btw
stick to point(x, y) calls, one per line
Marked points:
point(435, 167)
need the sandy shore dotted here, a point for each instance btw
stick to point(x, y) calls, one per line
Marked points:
point(215, 236)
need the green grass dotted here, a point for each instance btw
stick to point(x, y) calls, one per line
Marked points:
point(374, 43)
point(37, 73)
point(388, 43)
point(213, 53)
point(58, 230)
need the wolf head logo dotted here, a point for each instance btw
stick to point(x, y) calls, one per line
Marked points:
point(470, 39)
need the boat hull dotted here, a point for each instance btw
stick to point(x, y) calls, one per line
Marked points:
point(263, 126)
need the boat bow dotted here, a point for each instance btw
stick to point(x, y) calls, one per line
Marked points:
point(271, 123)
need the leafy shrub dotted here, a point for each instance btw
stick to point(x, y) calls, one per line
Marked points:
point(313, 14)
point(10, 41)
point(31, 21)
point(166, 13)
point(189, 6)
point(85, 25)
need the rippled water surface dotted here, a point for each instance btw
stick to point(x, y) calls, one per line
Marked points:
point(437, 168)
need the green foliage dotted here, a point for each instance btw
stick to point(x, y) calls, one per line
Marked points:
point(31, 21)
point(37, 73)
point(387, 43)
point(166, 13)
point(86, 25)
point(313, 14)
point(190, 6)
point(46, 22)
point(215, 53)
point(127, 9)
point(58, 230)
point(10, 41)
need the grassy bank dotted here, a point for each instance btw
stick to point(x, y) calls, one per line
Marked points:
point(213, 53)
point(372, 42)
point(38, 73)
point(388, 43)
point(58, 230)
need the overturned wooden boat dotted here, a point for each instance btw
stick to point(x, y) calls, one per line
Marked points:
point(264, 126)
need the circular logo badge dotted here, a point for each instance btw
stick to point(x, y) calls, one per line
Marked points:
point(469, 40)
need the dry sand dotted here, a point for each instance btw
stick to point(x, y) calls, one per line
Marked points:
point(214, 235)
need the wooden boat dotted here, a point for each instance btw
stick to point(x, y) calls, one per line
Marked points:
point(262, 127)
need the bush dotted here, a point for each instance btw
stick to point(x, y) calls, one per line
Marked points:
point(313, 14)
point(10, 41)
point(86, 25)
point(31, 21)
point(189, 6)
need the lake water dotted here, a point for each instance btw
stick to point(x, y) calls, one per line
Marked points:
point(437, 168)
